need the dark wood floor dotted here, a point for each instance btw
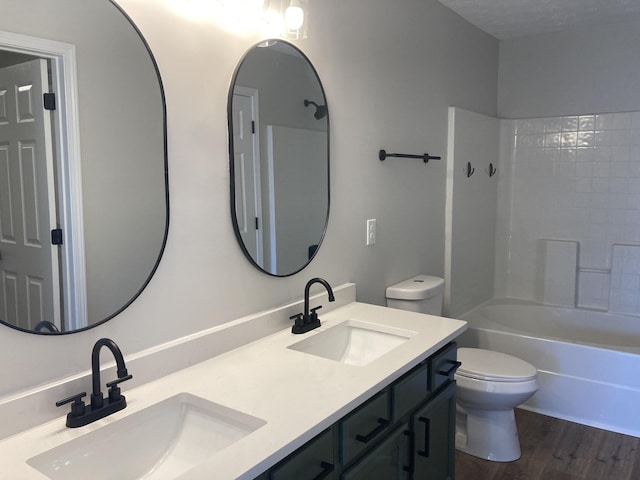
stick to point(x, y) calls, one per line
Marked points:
point(555, 449)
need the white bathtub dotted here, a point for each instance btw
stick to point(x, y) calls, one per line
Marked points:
point(588, 362)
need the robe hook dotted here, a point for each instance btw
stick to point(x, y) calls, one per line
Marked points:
point(469, 170)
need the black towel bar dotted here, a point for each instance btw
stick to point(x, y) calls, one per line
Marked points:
point(425, 156)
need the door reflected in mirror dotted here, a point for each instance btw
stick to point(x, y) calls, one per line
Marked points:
point(83, 168)
point(279, 158)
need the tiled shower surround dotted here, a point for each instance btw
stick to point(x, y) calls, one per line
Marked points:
point(574, 178)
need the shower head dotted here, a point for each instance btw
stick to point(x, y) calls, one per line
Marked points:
point(321, 110)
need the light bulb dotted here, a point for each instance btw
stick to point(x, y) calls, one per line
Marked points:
point(294, 15)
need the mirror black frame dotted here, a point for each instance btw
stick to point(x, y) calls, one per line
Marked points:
point(232, 166)
point(45, 324)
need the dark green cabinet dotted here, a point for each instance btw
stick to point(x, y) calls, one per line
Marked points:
point(433, 440)
point(313, 461)
point(405, 432)
point(390, 460)
point(364, 427)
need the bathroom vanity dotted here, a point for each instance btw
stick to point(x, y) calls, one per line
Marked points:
point(282, 406)
point(405, 431)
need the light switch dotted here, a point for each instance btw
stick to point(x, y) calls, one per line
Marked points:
point(371, 231)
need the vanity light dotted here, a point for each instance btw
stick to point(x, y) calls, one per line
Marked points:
point(295, 19)
point(286, 18)
point(294, 15)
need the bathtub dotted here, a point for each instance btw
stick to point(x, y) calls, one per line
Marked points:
point(588, 362)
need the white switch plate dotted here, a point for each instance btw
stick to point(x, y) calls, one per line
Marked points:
point(371, 231)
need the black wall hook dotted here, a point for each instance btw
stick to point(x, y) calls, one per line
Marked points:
point(469, 170)
point(491, 171)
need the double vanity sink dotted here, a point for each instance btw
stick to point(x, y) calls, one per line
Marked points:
point(239, 413)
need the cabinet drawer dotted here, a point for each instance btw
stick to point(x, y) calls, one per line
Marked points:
point(364, 427)
point(410, 391)
point(443, 366)
point(391, 460)
point(314, 461)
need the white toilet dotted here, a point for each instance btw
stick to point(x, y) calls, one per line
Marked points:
point(490, 384)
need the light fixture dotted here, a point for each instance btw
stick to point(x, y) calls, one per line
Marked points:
point(294, 15)
point(286, 18)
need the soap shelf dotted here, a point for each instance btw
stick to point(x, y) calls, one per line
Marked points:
point(382, 154)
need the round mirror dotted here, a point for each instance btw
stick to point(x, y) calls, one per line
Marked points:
point(83, 166)
point(279, 158)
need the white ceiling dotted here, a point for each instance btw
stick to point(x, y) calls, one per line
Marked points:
point(516, 18)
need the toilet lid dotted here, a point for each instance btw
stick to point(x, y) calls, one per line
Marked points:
point(493, 366)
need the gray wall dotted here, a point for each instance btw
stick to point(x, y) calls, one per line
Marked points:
point(579, 71)
point(389, 72)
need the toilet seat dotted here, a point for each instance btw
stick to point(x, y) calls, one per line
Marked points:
point(493, 366)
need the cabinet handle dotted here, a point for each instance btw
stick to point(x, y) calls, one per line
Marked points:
point(452, 369)
point(383, 423)
point(327, 469)
point(427, 437)
point(412, 445)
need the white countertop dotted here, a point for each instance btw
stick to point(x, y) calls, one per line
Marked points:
point(297, 394)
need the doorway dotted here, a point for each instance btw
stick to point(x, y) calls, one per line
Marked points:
point(60, 296)
point(248, 196)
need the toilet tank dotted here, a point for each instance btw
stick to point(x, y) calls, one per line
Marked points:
point(422, 294)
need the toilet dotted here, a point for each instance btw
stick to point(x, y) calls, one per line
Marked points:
point(489, 384)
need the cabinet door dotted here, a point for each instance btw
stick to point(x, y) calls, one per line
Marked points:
point(433, 427)
point(314, 461)
point(391, 460)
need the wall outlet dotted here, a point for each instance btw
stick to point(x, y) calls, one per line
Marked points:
point(371, 231)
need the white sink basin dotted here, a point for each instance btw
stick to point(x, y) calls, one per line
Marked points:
point(159, 442)
point(353, 342)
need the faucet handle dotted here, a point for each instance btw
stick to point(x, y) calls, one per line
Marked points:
point(77, 407)
point(298, 317)
point(115, 382)
point(114, 389)
point(313, 316)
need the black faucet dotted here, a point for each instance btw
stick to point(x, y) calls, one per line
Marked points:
point(309, 320)
point(99, 407)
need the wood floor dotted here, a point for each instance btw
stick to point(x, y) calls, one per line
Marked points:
point(555, 449)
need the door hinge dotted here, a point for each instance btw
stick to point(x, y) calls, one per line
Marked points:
point(56, 236)
point(253, 126)
point(49, 101)
point(257, 224)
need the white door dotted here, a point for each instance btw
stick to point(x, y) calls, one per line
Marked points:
point(247, 171)
point(29, 270)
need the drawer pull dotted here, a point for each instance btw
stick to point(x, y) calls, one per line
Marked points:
point(327, 469)
point(383, 423)
point(427, 437)
point(455, 365)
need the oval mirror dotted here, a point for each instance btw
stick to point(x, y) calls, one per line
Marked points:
point(279, 157)
point(83, 166)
